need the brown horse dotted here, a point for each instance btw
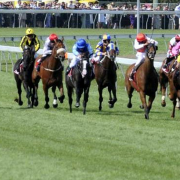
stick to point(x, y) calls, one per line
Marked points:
point(25, 76)
point(51, 74)
point(145, 80)
point(172, 78)
point(105, 75)
point(163, 80)
point(80, 82)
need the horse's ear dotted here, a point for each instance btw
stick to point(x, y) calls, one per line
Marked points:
point(62, 39)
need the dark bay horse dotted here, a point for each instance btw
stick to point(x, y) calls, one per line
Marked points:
point(164, 79)
point(51, 74)
point(105, 75)
point(80, 81)
point(25, 76)
point(175, 82)
point(145, 80)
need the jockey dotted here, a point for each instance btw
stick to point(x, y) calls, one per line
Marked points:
point(101, 48)
point(173, 52)
point(140, 44)
point(29, 40)
point(79, 48)
point(48, 46)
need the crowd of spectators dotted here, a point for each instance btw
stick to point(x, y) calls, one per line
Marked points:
point(87, 20)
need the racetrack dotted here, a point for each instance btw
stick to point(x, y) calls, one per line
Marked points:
point(113, 144)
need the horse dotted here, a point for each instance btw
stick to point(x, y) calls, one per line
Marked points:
point(174, 87)
point(145, 80)
point(105, 75)
point(25, 76)
point(51, 74)
point(80, 81)
point(163, 80)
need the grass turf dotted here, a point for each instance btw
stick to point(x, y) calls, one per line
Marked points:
point(118, 143)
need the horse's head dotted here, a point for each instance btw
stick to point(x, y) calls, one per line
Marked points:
point(59, 50)
point(111, 51)
point(28, 56)
point(84, 65)
point(151, 51)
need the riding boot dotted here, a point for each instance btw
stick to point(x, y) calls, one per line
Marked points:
point(41, 60)
point(68, 70)
point(131, 76)
point(165, 67)
point(17, 70)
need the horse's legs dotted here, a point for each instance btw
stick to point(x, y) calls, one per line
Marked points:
point(163, 86)
point(174, 107)
point(45, 88)
point(18, 84)
point(79, 92)
point(55, 104)
point(112, 101)
point(86, 96)
point(100, 97)
point(130, 90)
point(143, 100)
point(28, 93)
point(70, 91)
point(150, 101)
point(61, 89)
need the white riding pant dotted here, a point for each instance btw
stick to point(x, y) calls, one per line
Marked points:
point(97, 58)
point(74, 61)
point(140, 56)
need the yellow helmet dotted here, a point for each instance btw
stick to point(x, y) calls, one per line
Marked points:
point(29, 31)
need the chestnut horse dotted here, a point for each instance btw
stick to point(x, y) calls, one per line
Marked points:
point(81, 81)
point(25, 76)
point(51, 74)
point(105, 75)
point(163, 80)
point(145, 80)
point(171, 78)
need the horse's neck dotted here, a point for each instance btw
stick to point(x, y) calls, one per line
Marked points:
point(148, 64)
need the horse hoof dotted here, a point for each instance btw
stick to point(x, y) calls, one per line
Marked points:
point(20, 103)
point(77, 105)
point(36, 103)
point(111, 105)
point(55, 105)
point(146, 116)
point(141, 106)
point(61, 98)
point(129, 105)
point(46, 106)
point(163, 104)
point(100, 108)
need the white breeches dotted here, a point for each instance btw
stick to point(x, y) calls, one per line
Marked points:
point(74, 61)
point(140, 56)
point(97, 58)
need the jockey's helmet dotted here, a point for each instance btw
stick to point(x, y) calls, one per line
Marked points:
point(53, 37)
point(177, 37)
point(81, 43)
point(106, 37)
point(141, 37)
point(29, 31)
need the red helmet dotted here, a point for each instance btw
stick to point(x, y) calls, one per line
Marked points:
point(141, 37)
point(177, 37)
point(53, 37)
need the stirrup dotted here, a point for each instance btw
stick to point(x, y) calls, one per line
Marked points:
point(166, 70)
point(16, 71)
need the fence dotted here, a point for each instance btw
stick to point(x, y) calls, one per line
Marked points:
point(7, 51)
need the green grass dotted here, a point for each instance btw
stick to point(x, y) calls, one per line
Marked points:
point(115, 144)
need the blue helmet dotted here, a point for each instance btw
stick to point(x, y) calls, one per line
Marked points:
point(106, 37)
point(81, 44)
